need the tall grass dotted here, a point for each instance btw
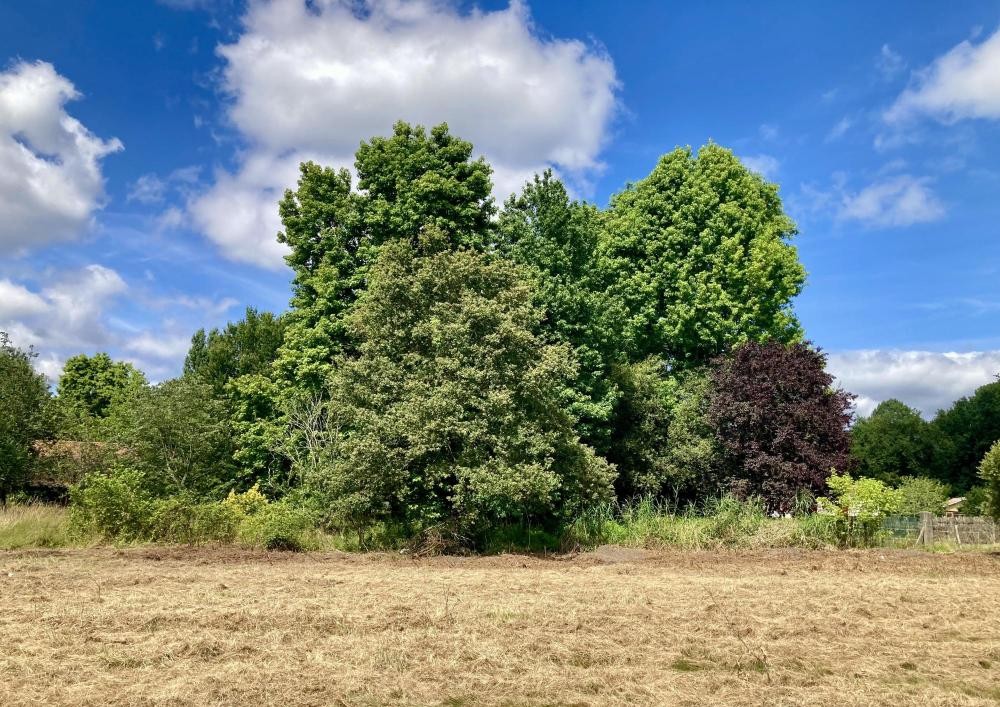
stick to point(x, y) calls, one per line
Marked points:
point(35, 525)
point(725, 522)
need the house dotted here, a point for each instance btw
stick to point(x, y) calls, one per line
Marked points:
point(953, 506)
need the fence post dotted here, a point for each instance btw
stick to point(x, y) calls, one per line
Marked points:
point(927, 527)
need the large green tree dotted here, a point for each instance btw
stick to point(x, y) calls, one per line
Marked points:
point(699, 253)
point(556, 240)
point(455, 410)
point(242, 348)
point(90, 385)
point(24, 416)
point(406, 182)
point(971, 426)
point(894, 443)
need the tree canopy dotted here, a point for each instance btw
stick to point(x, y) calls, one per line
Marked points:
point(698, 252)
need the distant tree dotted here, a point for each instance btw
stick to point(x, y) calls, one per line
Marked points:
point(91, 384)
point(246, 347)
point(781, 425)
point(455, 409)
point(24, 416)
point(971, 426)
point(556, 240)
point(895, 442)
point(698, 252)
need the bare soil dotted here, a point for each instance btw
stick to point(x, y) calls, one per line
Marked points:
point(203, 626)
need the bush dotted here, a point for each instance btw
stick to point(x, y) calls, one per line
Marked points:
point(922, 494)
point(115, 506)
point(278, 526)
point(989, 471)
point(858, 508)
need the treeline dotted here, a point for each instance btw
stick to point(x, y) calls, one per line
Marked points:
point(448, 363)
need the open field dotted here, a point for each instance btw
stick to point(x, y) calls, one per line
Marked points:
point(158, 625)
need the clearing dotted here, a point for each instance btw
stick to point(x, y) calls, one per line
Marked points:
point(169, 625)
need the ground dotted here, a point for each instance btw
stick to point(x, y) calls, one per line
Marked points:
point(222, 626)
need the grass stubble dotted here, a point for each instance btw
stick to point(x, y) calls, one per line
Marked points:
point(178, 626)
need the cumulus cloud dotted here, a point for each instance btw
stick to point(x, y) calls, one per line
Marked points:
point(311, 80)
point(66, 312)
point(75, 312)
point(765, 165)
point(901, 200)
point(50, 164)
point(963, 83)
point(924, 380)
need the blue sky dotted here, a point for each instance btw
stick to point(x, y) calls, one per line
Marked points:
point(143, 145)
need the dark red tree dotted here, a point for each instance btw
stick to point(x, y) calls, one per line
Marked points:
point(781, 425)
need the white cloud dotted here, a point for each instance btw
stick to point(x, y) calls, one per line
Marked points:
point(901, 200)
point(889, 63)
point(65, 317)
point(50, 164)
point(158, 346)
point(838, 130)
point(924, 380)
point(313, 80)
point(963, 83)
point(765, 165)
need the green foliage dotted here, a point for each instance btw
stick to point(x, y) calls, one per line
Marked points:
point(114, 506)
point(556, 240)
point(989, 472)
point(922, 494)
point(243, 348)
point(455, 411)
point(177, 434)
point(278, 526)
point(977, 501)
point(664, 443)
point(407, 182)
point(700, 257)
point(25, 416)
point(971, 426)
point(90, 385)
point(894, 443)
point(858, 507)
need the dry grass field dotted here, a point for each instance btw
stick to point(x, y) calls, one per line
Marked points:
point(221, 626)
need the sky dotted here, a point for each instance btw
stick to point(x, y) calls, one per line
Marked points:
point(144, 146)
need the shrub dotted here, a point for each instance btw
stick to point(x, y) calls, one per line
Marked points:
point(977, 501)
point(278, 526)
point(114, 506)
point(858, 508)
point(922, 494)
point(732, 520)
point(989, 471)
point(179, 520)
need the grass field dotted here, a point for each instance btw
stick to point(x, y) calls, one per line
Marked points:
point(157, 625)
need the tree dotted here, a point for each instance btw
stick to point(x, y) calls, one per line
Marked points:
point(406, 182)
point(699, 254)
point(246, 347)
point(894, 443)
point(455, 409)
point(89, 385)
point(664, 443)
point(919, 493)
point(971, 426)
point(178, 435)
point(556, 240)
point(24, 416)
point(989, 472)
point(781, 426)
